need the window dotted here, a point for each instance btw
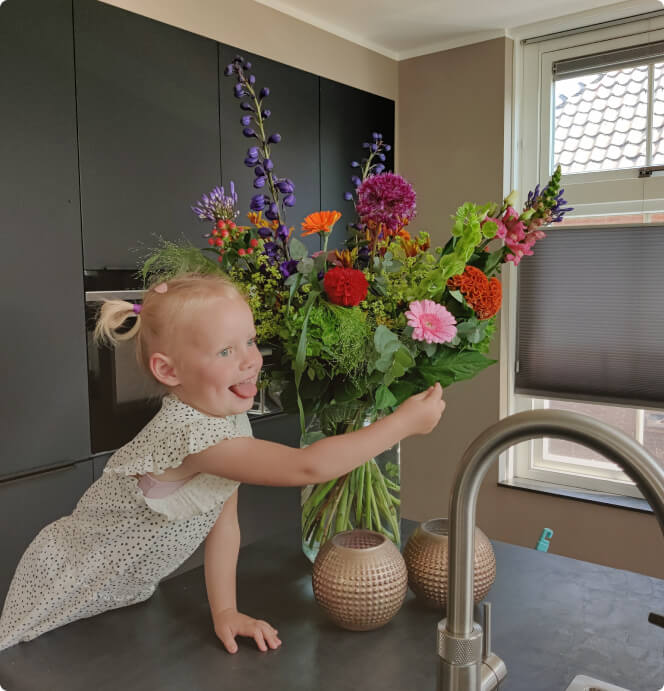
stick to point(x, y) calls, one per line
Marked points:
point(593, 102)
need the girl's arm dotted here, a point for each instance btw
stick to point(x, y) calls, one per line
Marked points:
point(221, 551)
point(261, 462)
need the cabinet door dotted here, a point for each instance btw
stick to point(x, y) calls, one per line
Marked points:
point(30, 503)
point(348, 116)
point(266, 511)
point(293, 101)
point(148, 132)
point(44, 405)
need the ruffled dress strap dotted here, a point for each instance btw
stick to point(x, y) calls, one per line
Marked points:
point(177, 431)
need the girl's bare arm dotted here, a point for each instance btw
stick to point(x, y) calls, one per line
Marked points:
point(267, 463)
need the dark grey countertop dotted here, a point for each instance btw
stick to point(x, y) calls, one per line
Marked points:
point(553, 618)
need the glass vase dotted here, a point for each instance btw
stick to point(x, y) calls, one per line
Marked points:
point(367, 497)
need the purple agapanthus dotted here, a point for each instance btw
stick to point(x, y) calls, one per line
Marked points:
point(386, 199)
point(217, 206)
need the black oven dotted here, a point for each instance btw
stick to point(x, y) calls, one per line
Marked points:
point(123, 398)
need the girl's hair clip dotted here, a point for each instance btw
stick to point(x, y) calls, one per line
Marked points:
point(161, 288)
point(137, 308)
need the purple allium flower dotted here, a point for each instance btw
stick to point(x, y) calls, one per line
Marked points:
point(288, 267)
point(218, 205)
point(388, 199)
point(274, 138)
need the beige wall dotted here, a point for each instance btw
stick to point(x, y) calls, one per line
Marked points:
point(453, 111)
point(256, 28)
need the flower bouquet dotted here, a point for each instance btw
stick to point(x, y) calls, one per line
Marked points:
point(357, 330)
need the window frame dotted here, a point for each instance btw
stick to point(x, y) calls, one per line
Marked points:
point(532, 132)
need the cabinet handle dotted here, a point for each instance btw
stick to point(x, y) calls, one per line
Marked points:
point(24, 476)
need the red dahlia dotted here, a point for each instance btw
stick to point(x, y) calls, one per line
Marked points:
point(347, 287)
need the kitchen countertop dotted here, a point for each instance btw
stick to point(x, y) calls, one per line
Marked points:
point(553, 618)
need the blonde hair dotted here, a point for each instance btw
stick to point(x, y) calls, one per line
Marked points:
point(163, 304)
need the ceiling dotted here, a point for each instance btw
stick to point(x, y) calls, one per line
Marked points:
point(401, 29)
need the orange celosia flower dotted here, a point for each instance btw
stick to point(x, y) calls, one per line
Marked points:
point(319, 222)
point(483, 295)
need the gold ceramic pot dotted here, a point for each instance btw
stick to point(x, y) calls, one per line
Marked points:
point(360, 579)
point(426, 556)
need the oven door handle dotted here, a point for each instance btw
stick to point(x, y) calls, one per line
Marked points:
point(101, 295)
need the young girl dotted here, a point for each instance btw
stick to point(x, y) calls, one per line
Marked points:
point(175, 484)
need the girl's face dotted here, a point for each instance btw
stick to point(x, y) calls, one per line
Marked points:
point(216, 360)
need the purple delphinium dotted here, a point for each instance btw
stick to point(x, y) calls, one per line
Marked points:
point(288, 267)
point(548, 203)
point(259, 156)
point(217, 206)
point(373, 164)
point(386, 199)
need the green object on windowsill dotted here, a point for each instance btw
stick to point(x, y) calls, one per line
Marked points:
point(543, 542)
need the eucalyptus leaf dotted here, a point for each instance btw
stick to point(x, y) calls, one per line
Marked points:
point(298, 250)
point(305, 266)
point(384, 398)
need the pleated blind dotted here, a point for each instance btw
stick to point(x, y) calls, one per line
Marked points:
point(590, 321)
point(610, 60)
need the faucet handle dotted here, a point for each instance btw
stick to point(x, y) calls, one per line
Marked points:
point(486, 626)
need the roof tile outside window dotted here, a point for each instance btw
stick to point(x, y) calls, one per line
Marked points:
point(601, 120)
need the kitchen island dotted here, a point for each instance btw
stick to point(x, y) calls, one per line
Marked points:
point(553, 618)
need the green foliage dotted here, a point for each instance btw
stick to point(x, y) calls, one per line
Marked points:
point(171, 260)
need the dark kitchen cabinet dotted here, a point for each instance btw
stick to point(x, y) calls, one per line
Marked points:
point(29, 503)
point(44, 406)
point(348, 116)
point(148, 130)
point(293, 102)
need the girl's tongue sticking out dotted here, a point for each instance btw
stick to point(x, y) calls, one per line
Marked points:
point(245, 389)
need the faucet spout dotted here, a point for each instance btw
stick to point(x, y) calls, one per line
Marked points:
point(458, 632)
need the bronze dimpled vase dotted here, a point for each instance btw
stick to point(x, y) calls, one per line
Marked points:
point(360, 579)
point(426, 556)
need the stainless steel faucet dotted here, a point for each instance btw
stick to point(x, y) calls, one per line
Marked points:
point(466, 661)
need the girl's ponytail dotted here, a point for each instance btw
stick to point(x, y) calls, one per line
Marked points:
point(113, 323)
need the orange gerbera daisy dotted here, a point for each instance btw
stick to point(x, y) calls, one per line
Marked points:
point(319, 222)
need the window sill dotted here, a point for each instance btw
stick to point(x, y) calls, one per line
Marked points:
point(631, 503)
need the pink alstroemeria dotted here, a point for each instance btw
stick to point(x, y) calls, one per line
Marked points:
point(431, 322)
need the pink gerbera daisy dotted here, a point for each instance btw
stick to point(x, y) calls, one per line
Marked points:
point(431, 322)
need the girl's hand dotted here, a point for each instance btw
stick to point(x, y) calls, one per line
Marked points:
point(422, 411)
point(230, 623)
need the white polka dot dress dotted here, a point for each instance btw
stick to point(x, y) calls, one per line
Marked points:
point(117, 545)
